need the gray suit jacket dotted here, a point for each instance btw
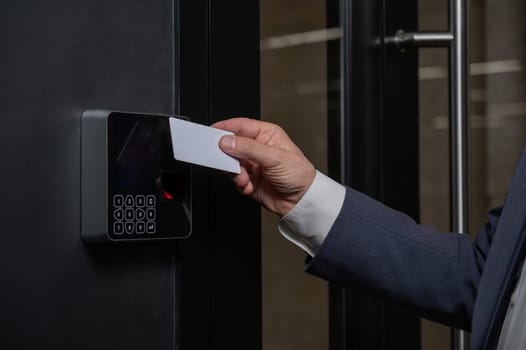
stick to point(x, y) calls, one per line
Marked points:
point(444, 277)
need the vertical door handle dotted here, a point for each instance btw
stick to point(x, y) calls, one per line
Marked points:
point(456, 41)
point(458, 110)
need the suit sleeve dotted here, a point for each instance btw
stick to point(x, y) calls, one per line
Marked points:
point(380, 251)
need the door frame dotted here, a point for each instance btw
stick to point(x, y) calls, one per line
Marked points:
point(374, 148)
point(220, 264)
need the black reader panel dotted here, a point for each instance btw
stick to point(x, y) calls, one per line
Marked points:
point(132, 187)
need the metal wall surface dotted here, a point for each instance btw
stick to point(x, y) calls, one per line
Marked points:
point(57, 59)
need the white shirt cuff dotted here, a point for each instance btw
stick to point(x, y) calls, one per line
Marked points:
point(311, 219)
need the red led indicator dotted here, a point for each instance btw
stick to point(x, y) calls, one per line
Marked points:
point(167, 195)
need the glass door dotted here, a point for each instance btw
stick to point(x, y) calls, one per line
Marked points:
point(374, 111)
point(497, 123)
point(376, 153)
point(295, 91)
point(329, 81)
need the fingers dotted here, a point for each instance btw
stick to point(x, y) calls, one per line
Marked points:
point(248, 149)
point(243, 126)
point(243, 182)
point(242, 179)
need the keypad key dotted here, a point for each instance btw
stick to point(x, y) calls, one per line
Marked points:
point(130, 227)
point(150, 227)
point(129, 214)
point(118, 228)
point(129, 202)
point(150, 200)
point(118, 214)
point(150, 214)
point(139, 201)
point(118, 200)
point(140, 227)
point(140, 214)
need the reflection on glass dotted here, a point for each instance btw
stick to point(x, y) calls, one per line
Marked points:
point(294, 95)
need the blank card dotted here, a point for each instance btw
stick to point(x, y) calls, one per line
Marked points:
point(199, 144)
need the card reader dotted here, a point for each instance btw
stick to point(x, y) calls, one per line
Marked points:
point(132, 187)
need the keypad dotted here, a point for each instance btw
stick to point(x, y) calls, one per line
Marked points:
point(134, 215)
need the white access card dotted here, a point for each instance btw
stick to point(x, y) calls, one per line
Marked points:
point(199, 144)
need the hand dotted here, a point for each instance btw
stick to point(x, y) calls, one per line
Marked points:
point(274, 171)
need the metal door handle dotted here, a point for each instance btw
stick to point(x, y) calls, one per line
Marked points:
point(456, 40)
point(403, 40)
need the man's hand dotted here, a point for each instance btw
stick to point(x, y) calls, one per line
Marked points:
point(274, 171)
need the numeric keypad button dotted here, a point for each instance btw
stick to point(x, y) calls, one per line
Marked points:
point(129, 214)
point(118, 228)
point(150, 200)
point(129, 202)
point(150, 227)
point(130, 227)
point(118, 200)
point(139, 214)
point(150, 214)
point(118, 214)
point(139, 201)
point(140, 227)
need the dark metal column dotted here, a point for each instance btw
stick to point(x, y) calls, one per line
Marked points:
point(221, 262)
point(374, 149)
point(458, 105)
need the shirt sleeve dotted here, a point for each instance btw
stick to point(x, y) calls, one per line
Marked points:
point(311, 219)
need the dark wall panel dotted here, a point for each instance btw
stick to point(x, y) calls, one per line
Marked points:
point(57, 59)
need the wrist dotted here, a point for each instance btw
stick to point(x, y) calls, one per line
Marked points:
point(286, 206)
point(288, 203)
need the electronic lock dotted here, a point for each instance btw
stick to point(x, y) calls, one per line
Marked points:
point(132, 187)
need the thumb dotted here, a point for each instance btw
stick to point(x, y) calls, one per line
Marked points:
point(249, 149)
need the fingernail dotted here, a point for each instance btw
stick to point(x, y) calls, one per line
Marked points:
point(228, 142)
